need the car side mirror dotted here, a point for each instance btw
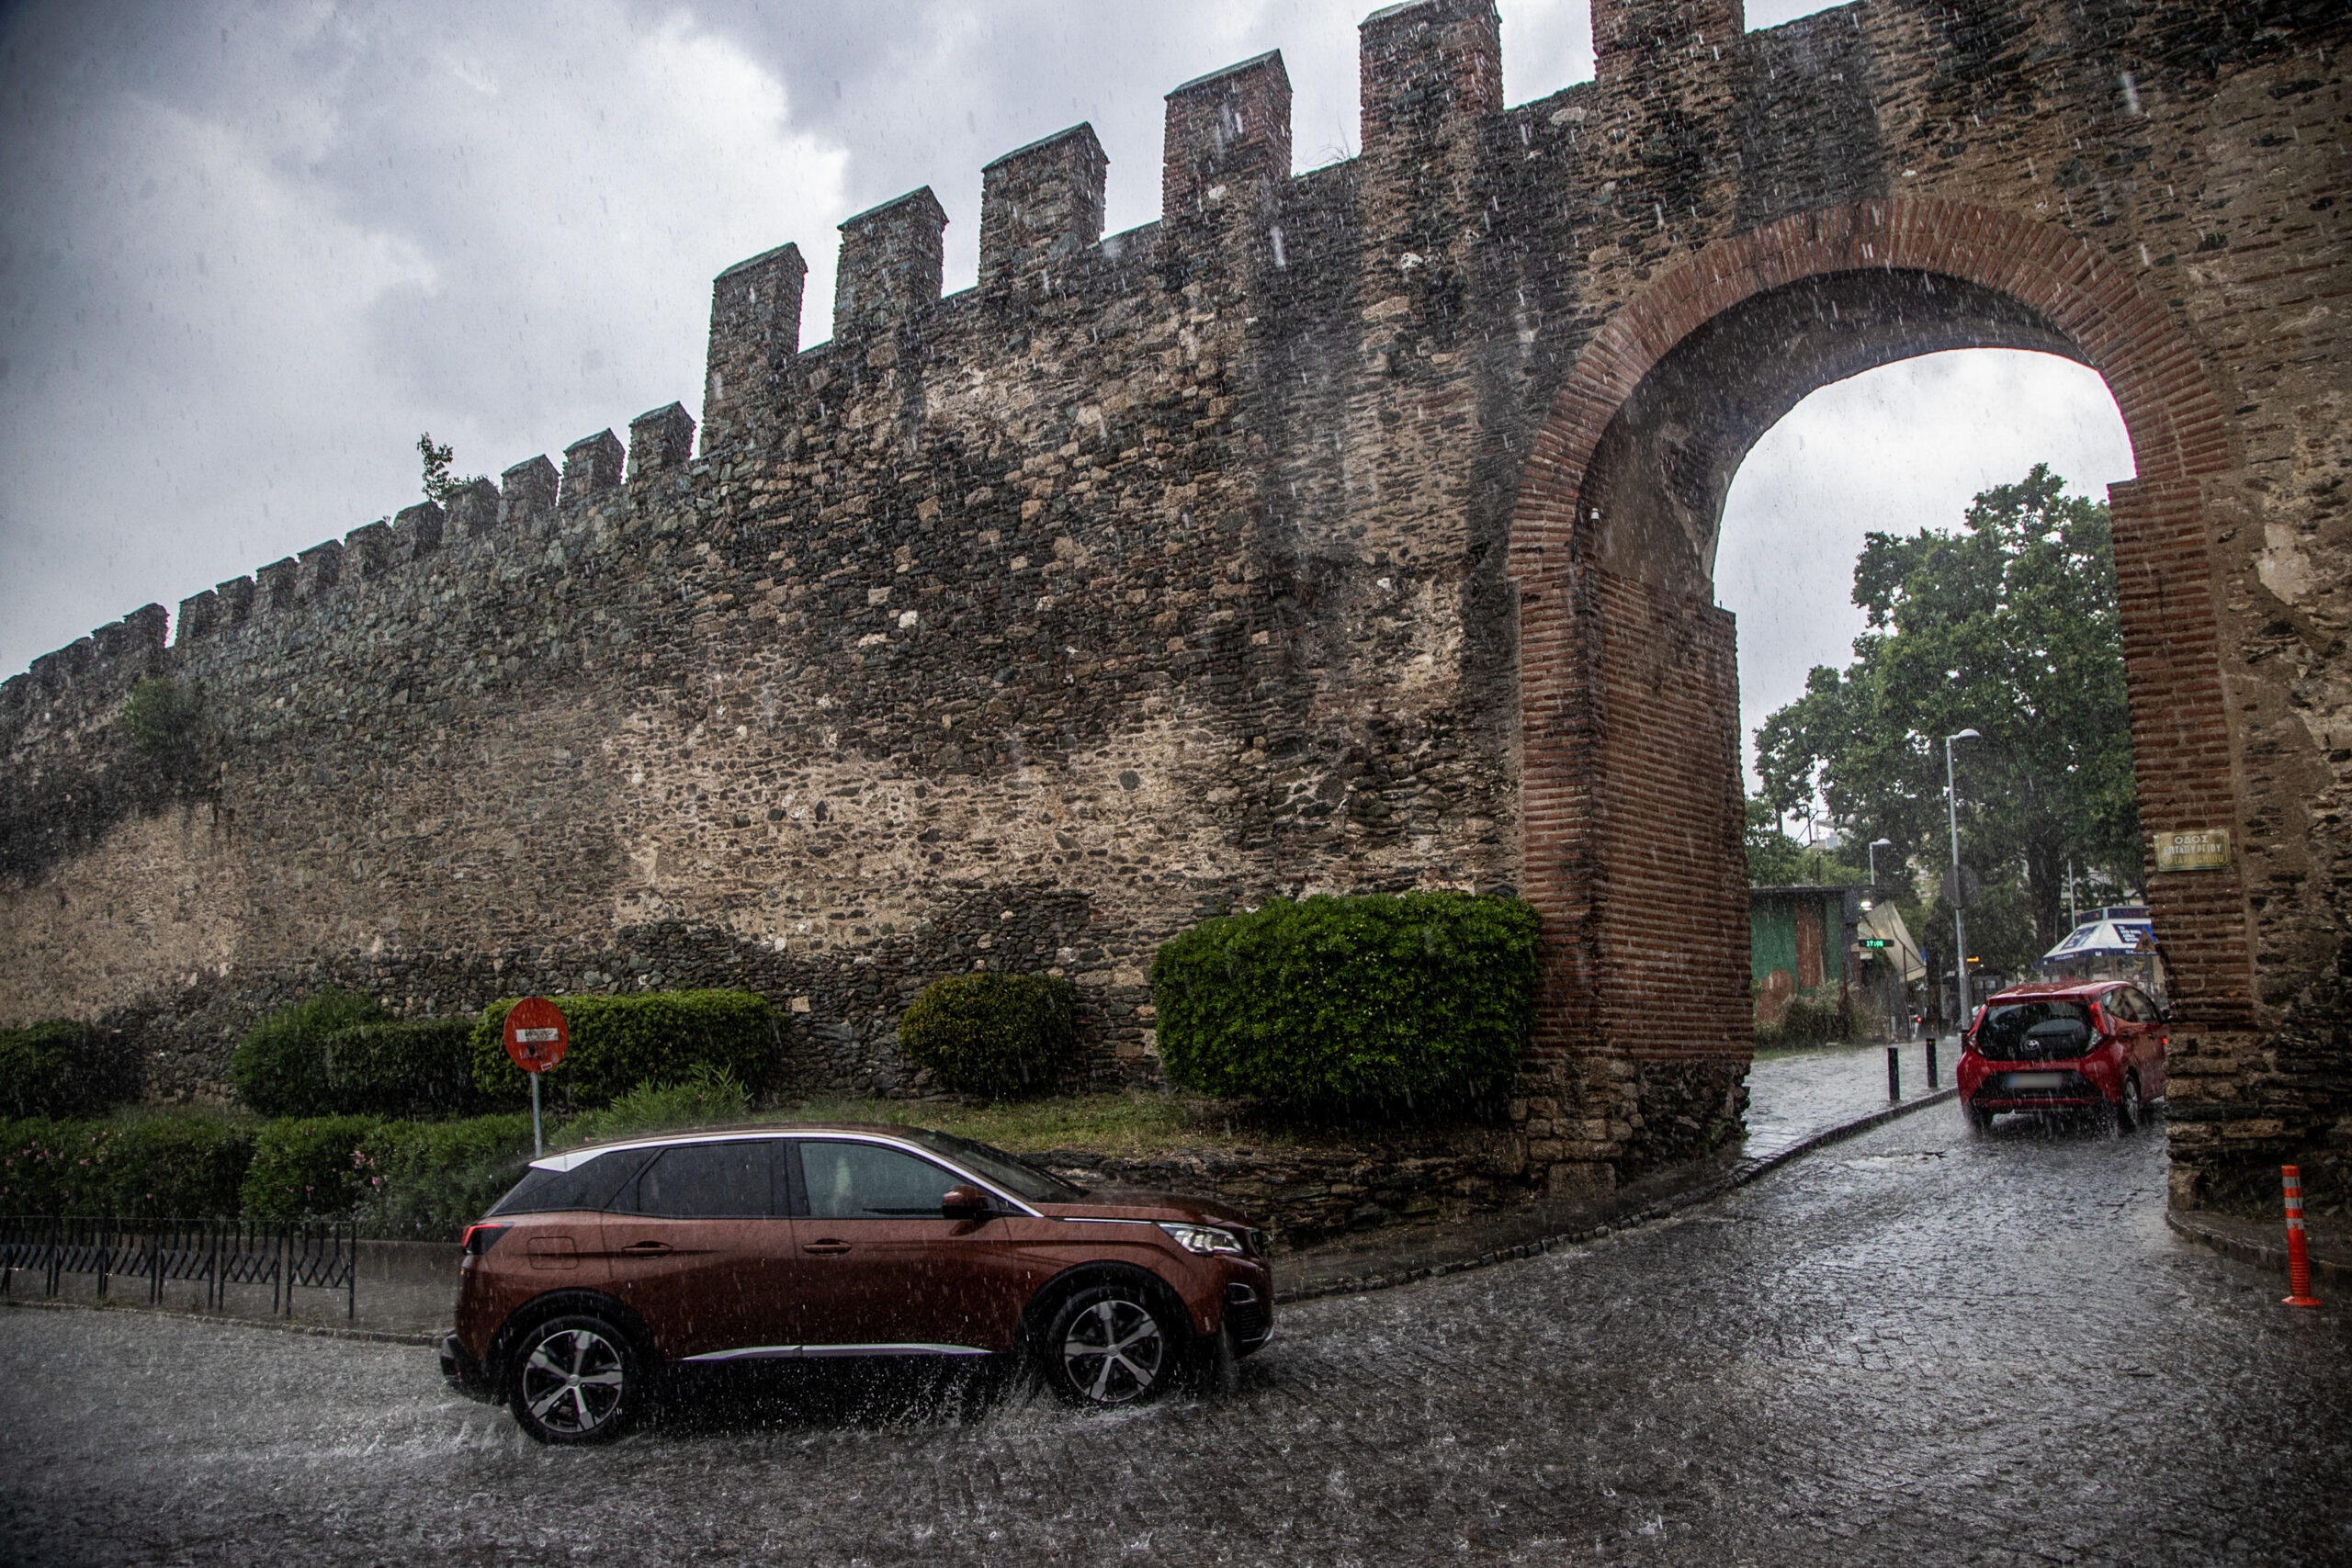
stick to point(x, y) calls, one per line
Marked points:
point(964, 1203)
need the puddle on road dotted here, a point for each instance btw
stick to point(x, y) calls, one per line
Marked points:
point(1893, 1162)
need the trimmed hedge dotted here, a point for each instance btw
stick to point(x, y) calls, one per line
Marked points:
point(59, 1068)
point(430, 1179)
point(180, 1166)
point(311, 1167)
point(280, 1069)
point(418, 1068)
point(708, 1098)
point(619, 1044)
point(1369, 1001)
point(1002, 1036)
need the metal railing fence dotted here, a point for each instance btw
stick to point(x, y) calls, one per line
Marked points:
point(156, 1252)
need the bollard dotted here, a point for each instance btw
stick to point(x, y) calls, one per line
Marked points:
point(1931, 1060)
point(1894, 1074)
point(2298, 1257)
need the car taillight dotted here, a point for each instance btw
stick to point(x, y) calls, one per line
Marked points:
point(480, 1239)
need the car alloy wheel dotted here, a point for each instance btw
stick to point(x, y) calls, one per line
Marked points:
point(2127, 1109)
point(577, 1381)
point(1107, 1346)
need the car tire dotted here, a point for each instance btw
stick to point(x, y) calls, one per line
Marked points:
point(1980, 1122)
point(1113, 1345)
point(2127, 1112)
point(578, 1378)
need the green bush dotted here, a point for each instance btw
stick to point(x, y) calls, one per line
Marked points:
point(280, 1069)
point(420, 1068)
point(191, 1166)
point(1000, 1036)
point(59, 1067)
point(428, 1180)
point(710, 1097)
point(1813, 1018)
point(311, 1167)
point(621, 1042)
point(1369, 1002)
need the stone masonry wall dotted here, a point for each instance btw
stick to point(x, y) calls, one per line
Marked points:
point(1340, 531)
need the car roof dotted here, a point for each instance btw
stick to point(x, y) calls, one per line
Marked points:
point(2053, 988)
point(570, 1157)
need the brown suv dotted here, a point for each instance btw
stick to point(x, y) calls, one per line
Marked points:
point(607, 1267)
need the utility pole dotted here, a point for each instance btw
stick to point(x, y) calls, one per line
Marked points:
point(1959, 921)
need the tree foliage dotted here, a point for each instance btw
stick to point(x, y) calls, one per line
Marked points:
point(439, 482)
point(2008, 627)
point(1776, 860)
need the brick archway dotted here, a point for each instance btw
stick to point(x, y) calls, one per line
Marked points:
point(1628, 688)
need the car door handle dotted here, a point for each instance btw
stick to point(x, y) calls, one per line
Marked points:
point(645, 1249)
point(828, 1248)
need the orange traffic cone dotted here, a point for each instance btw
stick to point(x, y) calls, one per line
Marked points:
point(2298, 1257)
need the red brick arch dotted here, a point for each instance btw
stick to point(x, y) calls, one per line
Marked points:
point(2165, 392)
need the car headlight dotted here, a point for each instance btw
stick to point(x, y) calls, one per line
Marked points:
point(1202, 1239)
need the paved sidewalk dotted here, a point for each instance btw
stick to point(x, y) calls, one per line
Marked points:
point(1796, 1096)
point(1796, 1101)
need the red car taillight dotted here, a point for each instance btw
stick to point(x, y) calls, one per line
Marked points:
point(480, 1239)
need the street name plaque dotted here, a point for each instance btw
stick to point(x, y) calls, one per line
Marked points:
point(2194, 849)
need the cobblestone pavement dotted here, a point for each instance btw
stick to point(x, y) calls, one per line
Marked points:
point(1792, 1096)
point(1917, 1346)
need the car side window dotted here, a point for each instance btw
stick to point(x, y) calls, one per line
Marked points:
point(866, 1181)
point(705, 1181)
point(2128, 1003)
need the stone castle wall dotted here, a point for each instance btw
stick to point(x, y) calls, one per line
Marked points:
point(1342, 531)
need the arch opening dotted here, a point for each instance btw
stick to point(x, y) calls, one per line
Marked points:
point(1632, 772)
point(1653, 495)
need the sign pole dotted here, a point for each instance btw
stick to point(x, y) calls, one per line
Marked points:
point(537, 1036)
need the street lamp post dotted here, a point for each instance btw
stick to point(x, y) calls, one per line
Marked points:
point(1904, 1029)
point(1959, 921)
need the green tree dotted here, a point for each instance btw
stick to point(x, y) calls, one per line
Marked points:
point(439, 486)
point(1776, 860)
point(2007, 627)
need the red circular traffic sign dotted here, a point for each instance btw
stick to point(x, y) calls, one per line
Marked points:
point(537, 1034)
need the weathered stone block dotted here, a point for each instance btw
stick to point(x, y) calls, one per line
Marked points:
point(416, 531)
point(526, 494)
point(660, 440)
point(1040, 205)
point(1226, 138)
point(592, 465)
point(755, 334)
point(890, 265)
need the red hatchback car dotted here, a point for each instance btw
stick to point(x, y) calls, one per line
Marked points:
point(609, 1266)
point(2087, 1045)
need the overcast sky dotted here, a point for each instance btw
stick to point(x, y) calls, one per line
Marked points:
point(247, 252)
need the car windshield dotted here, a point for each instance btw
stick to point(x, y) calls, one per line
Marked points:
point(1013, 1174)
point(2007, 1024)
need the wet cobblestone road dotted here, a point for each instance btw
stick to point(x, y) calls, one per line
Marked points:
point(1915, 1348)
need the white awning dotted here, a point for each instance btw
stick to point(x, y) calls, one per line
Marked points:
point(1885, 921)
